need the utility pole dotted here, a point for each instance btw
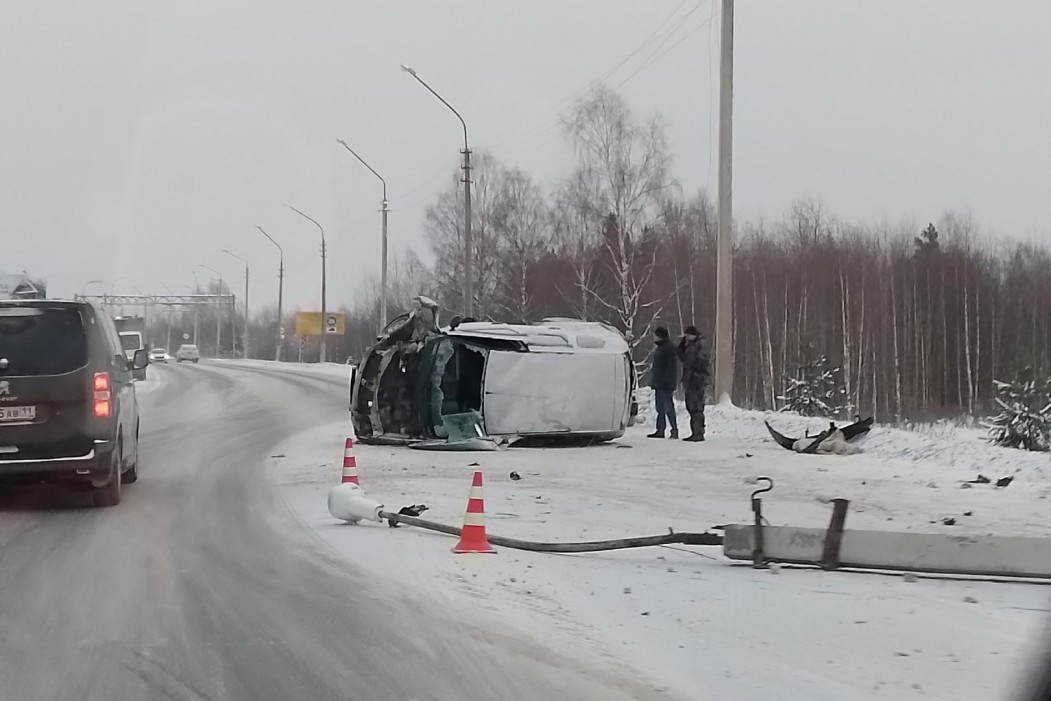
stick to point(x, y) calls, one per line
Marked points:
point(383, 267)
point(383, 253)
point(324, 310)
point(280, 291)
point(724, 272)
point(468, 244)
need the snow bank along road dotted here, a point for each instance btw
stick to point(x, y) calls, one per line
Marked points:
point(200, 585)
point(697, 625)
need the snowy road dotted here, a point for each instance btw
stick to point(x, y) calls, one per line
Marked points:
point(696, 624)
point(201, 585)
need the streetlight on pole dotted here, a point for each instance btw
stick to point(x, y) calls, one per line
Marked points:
point(86, 284)
point(244, 339)
point(280, 292)
point(383, 254)
point(218, 309)
point(468, 253)
point(324, 311)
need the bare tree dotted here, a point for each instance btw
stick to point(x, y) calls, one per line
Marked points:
point(575, 233)
point(625, 164)
point(521, 223)
point(443, 225)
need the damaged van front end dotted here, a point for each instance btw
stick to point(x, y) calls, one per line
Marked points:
point(556, 381)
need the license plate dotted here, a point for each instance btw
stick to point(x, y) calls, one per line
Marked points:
point(17, 413)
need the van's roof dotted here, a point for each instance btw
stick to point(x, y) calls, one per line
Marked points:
point(551, 335)
point(26, 302)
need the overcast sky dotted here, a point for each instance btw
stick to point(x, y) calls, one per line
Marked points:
point(137, 139)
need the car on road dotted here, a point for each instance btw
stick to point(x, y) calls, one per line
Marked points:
point(159, 355)
point(560, 380)
point(187, 353)
point(68, 411)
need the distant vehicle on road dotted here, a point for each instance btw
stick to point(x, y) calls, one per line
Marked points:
point(187, 353)
point(68, 411)
point(132, 331)
point(561, 380)
point(159, 355)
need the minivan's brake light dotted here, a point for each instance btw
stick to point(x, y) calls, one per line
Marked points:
point(102, 403)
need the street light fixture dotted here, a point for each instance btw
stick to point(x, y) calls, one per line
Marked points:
point(244, 339)
point(218, 309)
point(324, 311)
point(280, 291)
point(468, 267)
point(383, 253)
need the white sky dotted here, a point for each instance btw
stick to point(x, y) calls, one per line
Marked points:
point(137, 139)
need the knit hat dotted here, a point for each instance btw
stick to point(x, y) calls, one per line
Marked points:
point(691, 331)
point(660, 332)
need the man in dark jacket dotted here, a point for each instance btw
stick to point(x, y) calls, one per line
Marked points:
point(664, 377)
point(693, 352)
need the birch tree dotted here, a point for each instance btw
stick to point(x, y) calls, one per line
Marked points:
point(624, 163)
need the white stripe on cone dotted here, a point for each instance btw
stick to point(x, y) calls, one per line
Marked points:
point(470, 519)
point(476, 493)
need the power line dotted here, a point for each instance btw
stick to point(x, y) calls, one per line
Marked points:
point(660, 33)
point(658, 54)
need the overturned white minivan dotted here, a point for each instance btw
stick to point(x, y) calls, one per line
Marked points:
point(560, 380)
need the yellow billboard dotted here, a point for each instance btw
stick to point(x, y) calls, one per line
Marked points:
point(309, 323)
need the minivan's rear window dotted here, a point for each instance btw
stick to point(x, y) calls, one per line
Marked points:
point(41, 341)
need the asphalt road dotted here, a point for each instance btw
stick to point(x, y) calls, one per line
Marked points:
point(201, 585)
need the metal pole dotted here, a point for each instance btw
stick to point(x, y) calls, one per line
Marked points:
point(324, 310)
point(383, 254)
point(383, 268)
point(468, 253)
point(280, 290)
point(280, 294)
point(724, 273)
point(219, 318)
point(468, 243)
point(245, 348)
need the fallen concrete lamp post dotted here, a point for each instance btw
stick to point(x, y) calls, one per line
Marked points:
point(347, 502)
point(836, 547)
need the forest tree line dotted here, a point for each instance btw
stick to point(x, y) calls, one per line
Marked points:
point(919, 320)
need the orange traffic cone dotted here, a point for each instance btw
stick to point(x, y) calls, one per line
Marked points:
point(472, 537)
point(350, 464)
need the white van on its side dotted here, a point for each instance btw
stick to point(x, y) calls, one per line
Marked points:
point(558, 380)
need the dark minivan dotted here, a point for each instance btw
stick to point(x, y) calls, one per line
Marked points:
point(68, 411)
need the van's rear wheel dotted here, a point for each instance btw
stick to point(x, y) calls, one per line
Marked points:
point(109, 495)
point(132, 473)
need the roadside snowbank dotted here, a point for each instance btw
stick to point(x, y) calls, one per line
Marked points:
point(685, 617)
point(340, 370)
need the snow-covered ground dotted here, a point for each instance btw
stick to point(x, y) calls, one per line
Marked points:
point(687, 619)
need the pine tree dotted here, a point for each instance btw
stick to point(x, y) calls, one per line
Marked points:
point(1024, 420)
point(815, 390)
